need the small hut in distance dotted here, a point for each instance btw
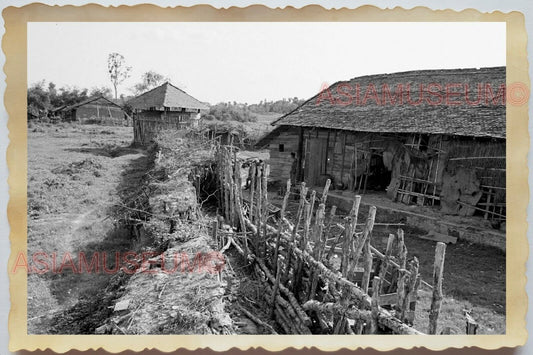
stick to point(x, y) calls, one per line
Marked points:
point(96, 109)
point(164, 107)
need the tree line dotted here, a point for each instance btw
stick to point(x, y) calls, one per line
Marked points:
point(43, 97)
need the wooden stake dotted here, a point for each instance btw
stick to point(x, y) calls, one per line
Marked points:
point(264, 207)
point(275, 290)
point(367, 232)
point(252, 192)
point(385, 263)
point(436, 301)
point(471, 325)
point(375, 306)
point(367, 266)
point(259, 209)
point(319, 228)
point(349, 230)
point(299, 215)
point(402, 275)
point(280, 226)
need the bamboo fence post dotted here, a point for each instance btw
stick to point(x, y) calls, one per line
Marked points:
point(325, 192)
point(349, 230)
point(275, 291)
point(413, 295)
point(264, 208)
point(402, 275)
point(303, 212)
point(319, 229)
point(280, 227)
point(385, 263)
point(241, 218)
point(225, 187)
point(367, 266)
point(411, 288)
point(367, 233)
point(340, 327)
point(252, 191)
point(229, 186)
point(312, 200)
point(436, 301)
point(375, 305)
point(259, 209)
point(301, 206)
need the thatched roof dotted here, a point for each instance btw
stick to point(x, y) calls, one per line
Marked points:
point(376, 114)
point(97, 99)
point(166, 95)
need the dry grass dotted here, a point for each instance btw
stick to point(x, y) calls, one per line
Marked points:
point(74, 178)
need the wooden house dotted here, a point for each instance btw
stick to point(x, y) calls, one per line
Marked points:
point(165, 107)
point(93, 110)
point(429, 137)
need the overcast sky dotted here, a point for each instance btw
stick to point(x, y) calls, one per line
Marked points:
point(248, 62)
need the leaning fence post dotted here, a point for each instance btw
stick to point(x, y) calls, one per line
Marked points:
point(436, 301)
point(386, 260)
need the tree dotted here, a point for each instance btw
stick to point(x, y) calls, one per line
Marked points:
point(38, 98)
point(101, 91)
point(118, 70)
point(149, 80)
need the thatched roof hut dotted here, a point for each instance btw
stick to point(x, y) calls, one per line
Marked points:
point(164, 107)
point(406, 132)
point(96, 109)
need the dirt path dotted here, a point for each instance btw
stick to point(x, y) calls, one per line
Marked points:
point(75, 181)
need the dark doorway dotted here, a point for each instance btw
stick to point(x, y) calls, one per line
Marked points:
point(378, 175)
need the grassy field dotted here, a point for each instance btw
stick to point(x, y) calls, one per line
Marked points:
point(76, 175)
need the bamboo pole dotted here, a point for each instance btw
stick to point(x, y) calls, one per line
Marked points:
point(411, 288)
point(252, 191)
point(275, 290)
point(297, 280)
point(264, 208)
point(349, 230)
point(367, 232)
point(299, 214)
point(384, 317)
point(380, 255)
point(375, 306)
point(240, 214)
point(280, 225)
point(292, 300)
point(367, 266)
point(319, 227)
point(436, 300)
point(385, 264)
point(402, 275)
point(259, 213)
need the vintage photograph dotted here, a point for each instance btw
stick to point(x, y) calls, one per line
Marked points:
point(300, 178)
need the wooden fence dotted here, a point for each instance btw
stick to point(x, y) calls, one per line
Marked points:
point(369, 292)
